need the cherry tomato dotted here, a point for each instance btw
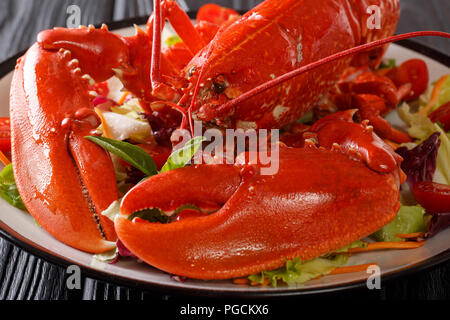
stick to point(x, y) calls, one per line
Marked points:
point(434, 197)
point(442, 115)
point(414, 71)
point(5, 135)
point(189, 213)
point(214, 13)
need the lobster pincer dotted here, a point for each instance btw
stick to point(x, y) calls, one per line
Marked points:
point(320, 199)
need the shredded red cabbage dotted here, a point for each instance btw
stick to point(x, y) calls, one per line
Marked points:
point(439, 222)
point(123, 251)
point(419, 164)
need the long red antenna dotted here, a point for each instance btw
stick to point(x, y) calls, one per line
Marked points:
point(224, 109)
point(155, 73)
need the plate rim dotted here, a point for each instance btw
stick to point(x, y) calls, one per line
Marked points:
point(37, 250)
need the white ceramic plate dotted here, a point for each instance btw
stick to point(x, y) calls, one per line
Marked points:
point(20, 228)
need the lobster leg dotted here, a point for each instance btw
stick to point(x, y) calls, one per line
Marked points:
point(59, 173)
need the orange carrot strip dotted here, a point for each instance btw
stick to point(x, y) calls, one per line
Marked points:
point(4, 159)
point(241, 281)
point(104, 124)
point(123, 97)
point(265, 283)
point(434, 96)
point(410, 235)
point(388, 245)
point(350, 269)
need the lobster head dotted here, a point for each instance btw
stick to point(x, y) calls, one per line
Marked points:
point(233, 64)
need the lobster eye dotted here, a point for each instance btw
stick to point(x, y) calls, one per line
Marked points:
point(192, 71)
point(219, 84)
point(218, 87)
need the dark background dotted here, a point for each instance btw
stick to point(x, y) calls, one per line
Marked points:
point(24, 276)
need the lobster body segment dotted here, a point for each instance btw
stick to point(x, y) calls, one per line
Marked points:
point(274, 38)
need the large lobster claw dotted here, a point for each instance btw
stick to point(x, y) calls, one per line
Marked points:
point(65, 181)
point(318, 201)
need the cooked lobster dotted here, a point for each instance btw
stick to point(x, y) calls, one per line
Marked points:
point(247, 73)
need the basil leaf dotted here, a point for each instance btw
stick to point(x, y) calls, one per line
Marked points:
point(128, 152)
point(8, 188)
point(151, 215)
point(179, 158)
point(184, 207)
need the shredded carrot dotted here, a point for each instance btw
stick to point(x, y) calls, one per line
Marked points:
point(123, 97)
point(265, 283)
point(410, 235)
point(4, 159)
point(350, 269)
point(388, 245)
point(104, 124)
point(241, 281)
point(434, 96)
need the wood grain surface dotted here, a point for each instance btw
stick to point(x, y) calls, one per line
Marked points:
point(24, 276)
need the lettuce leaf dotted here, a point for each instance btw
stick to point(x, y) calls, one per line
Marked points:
point(296, 271)
point(8, 188)
point(443, 95)
point(409, 219)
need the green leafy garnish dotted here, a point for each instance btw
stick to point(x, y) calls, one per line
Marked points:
point(390, 63)
point(151, 215)
point(170, 41)
point(409, 219)
point(186, 206)
point(296, 271)
point(179, 158)
point(8, 188)
point(134, 155)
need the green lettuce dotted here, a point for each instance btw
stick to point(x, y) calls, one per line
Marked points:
point(296, 271)
point(170, 41)
point(443, 95)
point(8, 188)
point(409, 219)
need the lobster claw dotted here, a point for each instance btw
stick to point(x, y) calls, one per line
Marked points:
point(318, 201)
point(65, 181)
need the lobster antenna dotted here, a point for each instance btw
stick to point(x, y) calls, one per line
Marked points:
point(196, 89)
point(223, 109)
point(155, 73)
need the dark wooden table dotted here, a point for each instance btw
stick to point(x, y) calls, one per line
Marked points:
point(24, 276)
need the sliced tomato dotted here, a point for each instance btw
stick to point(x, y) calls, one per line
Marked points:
point(442, 115)
point(414, 71)
point(189, 213)
point(5, 135)
point(434, 197)
point(214, 13)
